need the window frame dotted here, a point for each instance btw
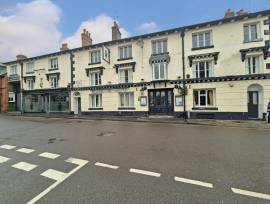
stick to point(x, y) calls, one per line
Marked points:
point(126, 104)
point(30, 86)
point(95, 56)
point(251, 60)
point(159, 72)
point(199, 94)
point(197, 70)
point(98, 80)
point(258, 32)
point(197, 35)
point(53, 84)
point(54, 63)
point(13, 69)
point(93, 101)
point(129, 76)
point(122, 55)
point(30, 69)
point(163, 48)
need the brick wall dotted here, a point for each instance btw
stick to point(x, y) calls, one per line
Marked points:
point(3, 94)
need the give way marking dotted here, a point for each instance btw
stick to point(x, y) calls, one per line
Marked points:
point(60, 178)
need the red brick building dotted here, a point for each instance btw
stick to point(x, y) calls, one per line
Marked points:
point(3, 89)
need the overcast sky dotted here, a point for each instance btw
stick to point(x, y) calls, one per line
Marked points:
point(34, 27)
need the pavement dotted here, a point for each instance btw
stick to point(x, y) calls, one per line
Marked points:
point(58, 160)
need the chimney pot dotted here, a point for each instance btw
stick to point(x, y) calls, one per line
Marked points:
point(64, 47)
point(86, 38)
point(229, 13)
point(241, 12)
point(21, 57)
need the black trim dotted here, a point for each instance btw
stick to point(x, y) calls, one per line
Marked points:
point(264, 49)
point(204, 108)
point(94, 63)
point(46, 91)
point(202, 48)
point(100, 69)
point(161, 57)
point(95, 108)
point(129, 64)
point(54, 69)
point(123, 59)
point(29, 77)
point(252, 41)
point(29, 72)
point(115, 113)
point(201, 56)
point(126, 108)
point(51, 74)
point(155, 34)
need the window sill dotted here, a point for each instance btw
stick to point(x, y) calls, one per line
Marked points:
point(204, 108)
point(95, 108)
point(251, 41)
point(202, 48)
point(29, 72)
point(126, 108)
point(94, 63)
point(158, 54)
point(123, 59)
point(54, 69)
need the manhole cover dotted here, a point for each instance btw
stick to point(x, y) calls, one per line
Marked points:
point(106, 134)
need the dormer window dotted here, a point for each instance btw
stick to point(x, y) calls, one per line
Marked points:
point(202, 39)
point(159, 46)
point(30, 67)
point(54, 63)
point(95, 57)
point(252, 32)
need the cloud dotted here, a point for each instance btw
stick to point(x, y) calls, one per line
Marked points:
point(147, 27)
point(100, 29)
point(29, 28)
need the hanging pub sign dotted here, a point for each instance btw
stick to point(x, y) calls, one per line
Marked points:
point(106, 54)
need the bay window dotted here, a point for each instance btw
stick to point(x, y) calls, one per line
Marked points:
point(126, 99)
point(203, 69)
point(159, 71)
point(203, 98)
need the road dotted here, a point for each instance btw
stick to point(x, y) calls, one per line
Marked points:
point(77, 161)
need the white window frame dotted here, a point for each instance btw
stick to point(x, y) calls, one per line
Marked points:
point(197, 37)
point(159, 68)
point(30, 84)
point(53, 81)
point(93, 100)
point(95, 56)
point(12, 96)
point(13, 69)
point(29, 67)
point(127, 98)
point(210, 68)
point(54, 63)
point(122, 79)
point(158, 46)
point(206, 98)
point(258, 31)
point(125, 52)
point(252, 60)
point(92, 78)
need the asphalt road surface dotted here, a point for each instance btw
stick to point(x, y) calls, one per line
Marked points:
point(77, 161)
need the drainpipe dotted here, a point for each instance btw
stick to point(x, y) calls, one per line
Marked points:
point(184, 72)
point(21, 87)
point(71, 78)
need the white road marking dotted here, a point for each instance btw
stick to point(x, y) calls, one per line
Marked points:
point(7, 146)
point(194, 182)
point(53, 174)
point(148, 173)
point(106, 165)
point(24, 166)
point(251, 194)
point(3, 159)
point(25, 150)
point(49, 155)
point(78, 162)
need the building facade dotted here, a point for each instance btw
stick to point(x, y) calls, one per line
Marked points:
point(218, 69)
point(3, 89)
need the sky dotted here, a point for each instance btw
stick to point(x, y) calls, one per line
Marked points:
point(36, 27)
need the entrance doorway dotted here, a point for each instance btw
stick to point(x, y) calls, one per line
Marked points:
point(255, 101)
point(161, 101)
point(77, 103)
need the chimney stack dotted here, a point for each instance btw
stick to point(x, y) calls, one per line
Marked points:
point(64, 47)
point(20, 57)
point(116, 34)
point(241, 12)
point(86, 38)
point(229, 13)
